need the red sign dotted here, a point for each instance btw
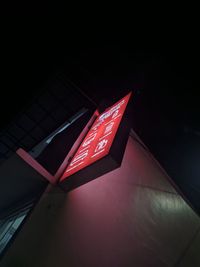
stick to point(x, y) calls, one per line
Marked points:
point(99, 139)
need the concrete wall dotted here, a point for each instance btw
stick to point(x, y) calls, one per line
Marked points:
point(20, 184)
point(131, 216)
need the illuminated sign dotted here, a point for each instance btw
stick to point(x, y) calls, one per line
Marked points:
point(99, 139)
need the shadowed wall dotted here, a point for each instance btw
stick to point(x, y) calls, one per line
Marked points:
point(131, 216)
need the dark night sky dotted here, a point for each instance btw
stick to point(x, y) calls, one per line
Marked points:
point(164, 69)
point(164, 74)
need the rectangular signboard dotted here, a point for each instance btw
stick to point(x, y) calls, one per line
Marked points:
point(98, 141)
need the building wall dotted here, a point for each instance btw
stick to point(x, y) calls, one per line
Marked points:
point(131, 216)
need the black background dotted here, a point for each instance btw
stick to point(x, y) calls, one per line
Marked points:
point(161, 67)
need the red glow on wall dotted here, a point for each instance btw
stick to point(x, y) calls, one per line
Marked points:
point(99, 139)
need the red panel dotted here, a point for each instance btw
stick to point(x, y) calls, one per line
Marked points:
point(75, 146)
point(99, 139)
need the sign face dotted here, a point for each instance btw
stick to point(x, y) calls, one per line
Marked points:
point(99, 139)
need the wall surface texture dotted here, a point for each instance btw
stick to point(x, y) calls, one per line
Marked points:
point(129, 217)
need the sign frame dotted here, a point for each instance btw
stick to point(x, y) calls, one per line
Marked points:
point(108, 162)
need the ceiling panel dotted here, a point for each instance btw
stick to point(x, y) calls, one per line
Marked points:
point(55, 104)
